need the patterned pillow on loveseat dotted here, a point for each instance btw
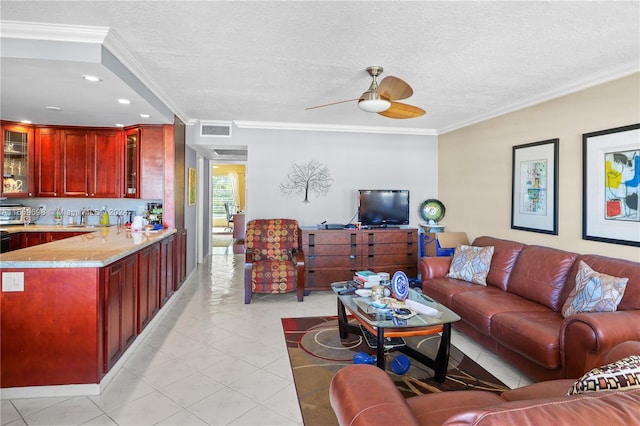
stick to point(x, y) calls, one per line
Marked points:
point(619, 375)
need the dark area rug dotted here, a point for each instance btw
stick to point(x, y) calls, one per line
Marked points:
point(316, 353)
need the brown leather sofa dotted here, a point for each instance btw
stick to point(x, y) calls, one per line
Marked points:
point(362, 394)
point(518, 314)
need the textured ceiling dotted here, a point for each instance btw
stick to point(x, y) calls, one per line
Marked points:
point(267, 61)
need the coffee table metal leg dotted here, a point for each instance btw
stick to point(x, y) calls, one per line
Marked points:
point(342, 321)
point(380, 360)
point(442, 358)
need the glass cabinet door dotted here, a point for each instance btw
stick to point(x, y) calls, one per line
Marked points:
point(17, 161)
point(131, 163)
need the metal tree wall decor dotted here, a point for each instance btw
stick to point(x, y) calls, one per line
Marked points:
point(304, 178)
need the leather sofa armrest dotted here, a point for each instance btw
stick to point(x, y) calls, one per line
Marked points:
point(363, 394)
point(434, 267)
point(586, 338)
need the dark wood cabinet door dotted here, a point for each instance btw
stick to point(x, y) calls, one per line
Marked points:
point(129, 291)
point(120, 284)
point(166, 269)
point(30, 239)
point(47, 154)
point(113, 346)
point(75, 161)
point(105, 166)
point(180, 267)
point(148, 282)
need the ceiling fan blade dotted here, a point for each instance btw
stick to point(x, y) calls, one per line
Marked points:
point(394, 88)
point(332, 103)
point(401, 111)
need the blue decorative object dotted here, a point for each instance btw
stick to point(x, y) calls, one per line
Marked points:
point(364, 358)
point(400, 285)
point(400, 364)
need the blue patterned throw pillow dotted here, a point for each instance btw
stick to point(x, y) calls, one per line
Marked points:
point(471, 263)
point(594, 292)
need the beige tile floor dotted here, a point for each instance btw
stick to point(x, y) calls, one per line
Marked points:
point(209, 360)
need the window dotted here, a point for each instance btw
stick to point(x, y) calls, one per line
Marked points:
point(222, 193)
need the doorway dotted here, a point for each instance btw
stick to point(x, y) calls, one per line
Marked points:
point(228, 189)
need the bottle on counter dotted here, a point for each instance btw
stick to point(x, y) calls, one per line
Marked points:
point(104, 216)
point(58, 216)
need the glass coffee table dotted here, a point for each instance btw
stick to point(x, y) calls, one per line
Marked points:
point(385, 325)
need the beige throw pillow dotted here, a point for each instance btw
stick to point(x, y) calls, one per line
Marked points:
point(471, 263)
point(594, 292)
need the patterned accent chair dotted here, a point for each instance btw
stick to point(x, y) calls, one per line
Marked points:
point(274, 261)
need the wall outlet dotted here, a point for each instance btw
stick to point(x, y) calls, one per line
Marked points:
point(12, 281)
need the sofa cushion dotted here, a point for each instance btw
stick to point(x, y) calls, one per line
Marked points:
point(436, 408)
point(443, 289)
point(594, 292)
point(617, 268)
point(622, 374)
point(471, 263)
point(540, 274)
point(534, 335)
point(606, 408)
point(504, 257)
point(478, 307)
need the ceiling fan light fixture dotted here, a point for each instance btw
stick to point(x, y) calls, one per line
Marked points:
point(370, 101)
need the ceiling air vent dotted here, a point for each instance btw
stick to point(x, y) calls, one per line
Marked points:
point(215, 130)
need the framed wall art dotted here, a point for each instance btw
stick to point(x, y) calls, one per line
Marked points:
point(610, 184)
point(191, 189)
point(534, 197)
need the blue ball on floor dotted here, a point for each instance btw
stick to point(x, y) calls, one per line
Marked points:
point(363, 358)
point(400, 364)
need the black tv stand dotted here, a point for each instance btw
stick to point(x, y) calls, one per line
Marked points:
point(384, 226)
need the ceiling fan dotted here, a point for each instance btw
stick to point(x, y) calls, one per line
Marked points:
point(381, 98)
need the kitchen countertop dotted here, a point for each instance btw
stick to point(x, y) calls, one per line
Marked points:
point(95, 248)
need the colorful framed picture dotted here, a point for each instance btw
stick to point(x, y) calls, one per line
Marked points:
point(191, 190)
point(610, 185)
point(534, 195)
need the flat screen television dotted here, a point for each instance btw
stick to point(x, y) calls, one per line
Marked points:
point(381, 208)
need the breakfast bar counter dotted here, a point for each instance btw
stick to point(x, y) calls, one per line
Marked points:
point(95, 247)
point(70, 308)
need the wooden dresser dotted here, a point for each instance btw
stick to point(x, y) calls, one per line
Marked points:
point(335, 255)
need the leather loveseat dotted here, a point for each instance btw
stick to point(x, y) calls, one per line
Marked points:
point(362, 394)
point(517, 315)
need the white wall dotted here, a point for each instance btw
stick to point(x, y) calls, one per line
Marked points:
point(354, 160)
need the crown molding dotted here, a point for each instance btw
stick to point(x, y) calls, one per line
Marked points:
point(52, 32)
point(114, 44)
point(268, 125)
point(572, 87)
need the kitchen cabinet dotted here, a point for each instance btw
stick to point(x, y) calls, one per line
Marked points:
point(47, 166)
point(144, 162)
point(17, 161)
point(120, 314)
point(148, 285)
point(30, 239)
point(180, 266)
point(78, 162)
point(335, 255)
point(90, 161)
point(167, 248)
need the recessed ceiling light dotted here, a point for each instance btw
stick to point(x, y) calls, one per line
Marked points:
point(91, 78)
point(53, 108)
point(124, 101)
point(25, 121)
point(145, 115)
point(119, 125)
